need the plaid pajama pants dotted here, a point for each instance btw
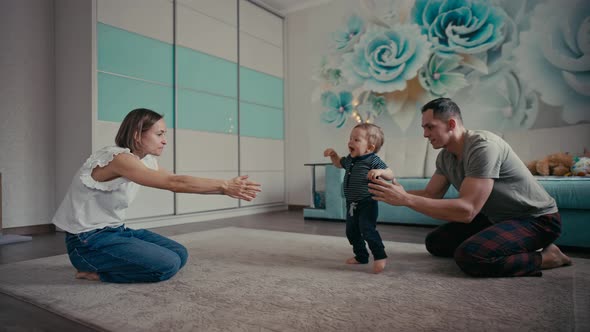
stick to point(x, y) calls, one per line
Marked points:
point(503, 249)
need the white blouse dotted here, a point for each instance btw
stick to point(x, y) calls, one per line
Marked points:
point(90, 204)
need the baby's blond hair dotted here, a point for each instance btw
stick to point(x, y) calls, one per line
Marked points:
point(374, 134)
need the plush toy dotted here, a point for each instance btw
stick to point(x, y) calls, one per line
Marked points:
point(559, 164)
point(582, 164)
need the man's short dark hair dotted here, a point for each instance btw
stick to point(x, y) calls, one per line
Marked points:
point(443, 109)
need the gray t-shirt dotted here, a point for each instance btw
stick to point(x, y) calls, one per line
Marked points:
point(515, 194)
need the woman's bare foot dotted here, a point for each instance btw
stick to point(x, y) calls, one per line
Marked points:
point(352, 260)
point(552, 257)
point(87, 275)
point(379, 265)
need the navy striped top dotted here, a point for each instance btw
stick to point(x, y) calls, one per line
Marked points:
point(357, 169)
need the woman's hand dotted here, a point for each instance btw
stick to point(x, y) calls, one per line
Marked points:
point(241, 188)
point(391, 193)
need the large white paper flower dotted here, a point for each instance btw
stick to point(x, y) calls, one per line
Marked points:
point(554, 56)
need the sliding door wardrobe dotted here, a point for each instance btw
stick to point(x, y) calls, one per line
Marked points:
point(214, 68)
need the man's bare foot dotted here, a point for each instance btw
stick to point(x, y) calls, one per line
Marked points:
point(552, 257)
point(87, 275)
point(352, 260)
point(379, 265)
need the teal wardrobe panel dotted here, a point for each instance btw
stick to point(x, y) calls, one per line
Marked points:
point(117, 96)
point(130, 54)
point(205, 112)
point(260, 121)
point(261, 88)
point(203, 72)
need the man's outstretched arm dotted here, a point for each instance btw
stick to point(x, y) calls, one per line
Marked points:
point(436, 188)
point(473, 194)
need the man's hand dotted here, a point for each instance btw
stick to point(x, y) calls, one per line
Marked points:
point(391, 193)
point(241, 188)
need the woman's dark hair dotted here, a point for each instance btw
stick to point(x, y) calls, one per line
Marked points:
point(137, 121)
point(443, 109)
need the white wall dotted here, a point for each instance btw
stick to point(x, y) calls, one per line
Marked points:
point(297, 102)
point(303, 145)
point(27, 112)
point(74, 86)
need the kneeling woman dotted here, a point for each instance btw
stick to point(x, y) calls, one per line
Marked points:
point(93, 211)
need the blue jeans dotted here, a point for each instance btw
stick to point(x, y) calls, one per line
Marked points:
point(361, 226)
point(124, 255)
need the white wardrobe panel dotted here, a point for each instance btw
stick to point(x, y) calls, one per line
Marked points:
point(206, 34)
point(188, 203)
point(152, 18)
point(273, 188)
point(199, 151)
point(260, 154)
point(259, 55)
point(224, 10)
point(261, 23)
point(151, 202)
point(106, 131)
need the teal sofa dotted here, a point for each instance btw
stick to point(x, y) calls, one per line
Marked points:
point(572, 195)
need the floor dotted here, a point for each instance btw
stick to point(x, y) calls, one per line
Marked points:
point(17, 315)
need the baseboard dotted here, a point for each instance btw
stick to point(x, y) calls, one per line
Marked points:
point(296, 207)
point(30, 230)
point(161, 221)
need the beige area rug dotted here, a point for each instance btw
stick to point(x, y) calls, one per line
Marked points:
point(257, 280)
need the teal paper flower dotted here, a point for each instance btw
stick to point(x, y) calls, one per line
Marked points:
point(328, 72)
point(554, 56)
point(332, 75)
point(440, 76)
point(345, 38)
point(339, 107)
point(378, 103)
point(384, 59)
point(370, 107)
point(460, 26)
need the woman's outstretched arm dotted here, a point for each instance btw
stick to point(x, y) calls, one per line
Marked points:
point(130, 167)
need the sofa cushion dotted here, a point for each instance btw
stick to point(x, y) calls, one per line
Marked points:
point(568, 192)
point(537, 143)
point(405, 156)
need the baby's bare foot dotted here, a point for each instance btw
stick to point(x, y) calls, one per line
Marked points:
point(352, 260)
point(93, 276)
point(379, 265)
point(552, 257)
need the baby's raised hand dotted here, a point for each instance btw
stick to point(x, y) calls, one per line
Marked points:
point(329, 152)
point(374, 174)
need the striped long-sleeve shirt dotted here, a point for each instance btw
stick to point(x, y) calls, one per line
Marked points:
point(357, 169)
